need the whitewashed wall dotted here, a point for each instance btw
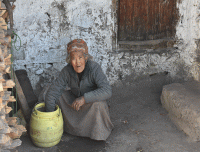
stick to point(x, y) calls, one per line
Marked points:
point(179, 61)
point(188, 31)
point(45, 28)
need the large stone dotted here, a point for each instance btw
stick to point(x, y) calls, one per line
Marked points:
point(182, 101)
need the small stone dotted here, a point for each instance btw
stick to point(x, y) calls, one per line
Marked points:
point(40, 71)
point(48, 65)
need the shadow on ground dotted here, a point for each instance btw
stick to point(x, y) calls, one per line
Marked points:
point(141, 124)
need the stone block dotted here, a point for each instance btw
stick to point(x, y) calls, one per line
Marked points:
point(182, 101)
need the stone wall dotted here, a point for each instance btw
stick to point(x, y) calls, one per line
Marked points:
point(45, 28)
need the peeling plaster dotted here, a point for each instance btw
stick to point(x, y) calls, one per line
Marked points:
point(45, 28)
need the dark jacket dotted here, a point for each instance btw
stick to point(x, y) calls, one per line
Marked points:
point(93, 85)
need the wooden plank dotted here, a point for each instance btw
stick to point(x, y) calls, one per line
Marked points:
point(22, 101)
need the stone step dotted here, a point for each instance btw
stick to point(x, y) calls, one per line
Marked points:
point(182, 101)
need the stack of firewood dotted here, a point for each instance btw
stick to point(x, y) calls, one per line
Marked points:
point(9, 130)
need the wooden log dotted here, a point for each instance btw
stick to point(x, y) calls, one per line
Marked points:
point(3, 24)
point(10, 12)
point(5, 40)
point(5, 130)
point(13, 135)
point(12, 144)
point(7, 69)
point(6, 95)
point(2, 63)
point(3, 111)
point(1, 77)
point(1, 94)
point(2, 33)
point(16, 131)
point(8, 109)
point(8, 57)
point(22, 100)
point(11, 121)
point(4, 50)
point(5, 15)
point(2, 58)
point(3, 123)
point(8, 84)
point(1, 86)
point(8, 62)
point(11, 99)
point(1, 106)
point(2, 5)
point(4, 139)
point(2, 12)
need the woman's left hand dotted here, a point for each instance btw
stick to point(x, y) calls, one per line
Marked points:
point(78, 103)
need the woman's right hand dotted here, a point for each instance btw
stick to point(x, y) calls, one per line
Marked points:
point(78, 103)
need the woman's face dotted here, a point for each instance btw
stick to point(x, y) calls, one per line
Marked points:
point(78, 60)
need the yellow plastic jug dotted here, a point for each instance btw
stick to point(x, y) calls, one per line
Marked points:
point(46, 128)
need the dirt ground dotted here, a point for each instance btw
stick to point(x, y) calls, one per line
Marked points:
point(141, 124)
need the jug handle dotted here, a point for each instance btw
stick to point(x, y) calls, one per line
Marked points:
point(34, 108)
point(59, 112)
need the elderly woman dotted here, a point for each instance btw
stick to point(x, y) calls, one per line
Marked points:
point(84, 108)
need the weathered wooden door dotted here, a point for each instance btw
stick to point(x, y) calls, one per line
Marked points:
point(146, 19)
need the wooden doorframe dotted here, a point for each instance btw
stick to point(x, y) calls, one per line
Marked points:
point(115, 14)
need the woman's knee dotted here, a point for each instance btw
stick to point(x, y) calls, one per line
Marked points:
point(100, 104)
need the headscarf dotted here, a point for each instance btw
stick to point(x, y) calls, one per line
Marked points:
point(77, 43)
point(80, 44)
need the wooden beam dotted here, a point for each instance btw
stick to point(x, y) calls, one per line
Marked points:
point(22, 100)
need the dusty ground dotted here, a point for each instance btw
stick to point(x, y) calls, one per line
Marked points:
point(141, 124)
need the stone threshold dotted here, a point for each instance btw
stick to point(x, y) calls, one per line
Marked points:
point(146, 45)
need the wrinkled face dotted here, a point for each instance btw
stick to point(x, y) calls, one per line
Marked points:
point(78, 60)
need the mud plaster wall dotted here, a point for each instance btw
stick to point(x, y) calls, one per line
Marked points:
point(45, 27)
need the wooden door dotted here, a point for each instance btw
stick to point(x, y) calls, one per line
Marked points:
point(146, 19)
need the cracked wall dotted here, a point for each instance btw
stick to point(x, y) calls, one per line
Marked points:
point(179, 61)
point(45, 28)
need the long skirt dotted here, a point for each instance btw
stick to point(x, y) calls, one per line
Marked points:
point(92, 120)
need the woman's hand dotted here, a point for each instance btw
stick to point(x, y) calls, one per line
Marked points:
point(78, 103)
